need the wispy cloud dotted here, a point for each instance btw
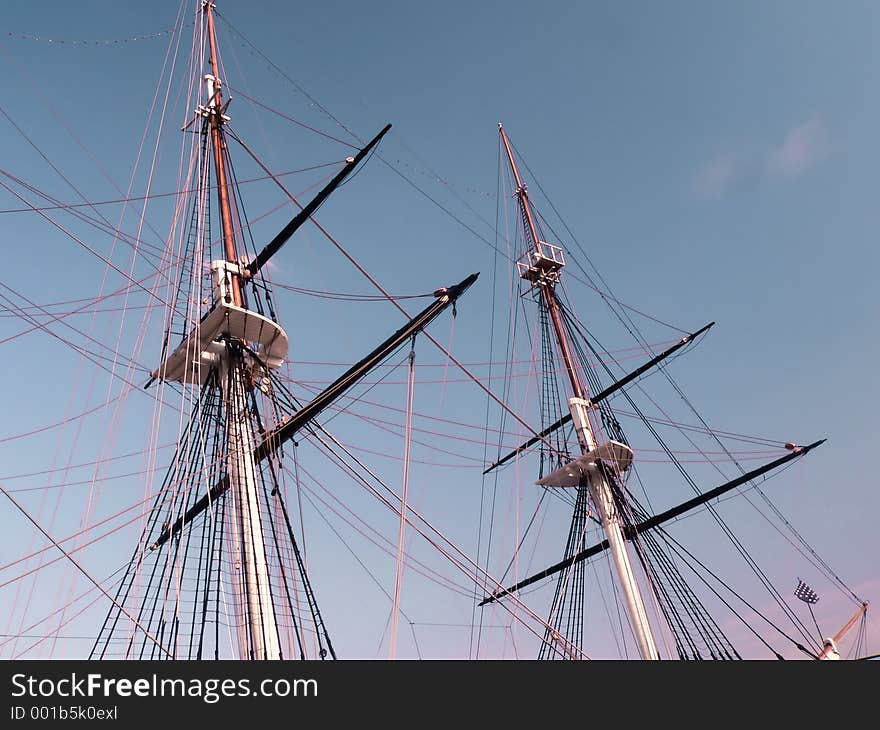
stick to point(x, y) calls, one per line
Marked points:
point(716, 177)
point(803, 147)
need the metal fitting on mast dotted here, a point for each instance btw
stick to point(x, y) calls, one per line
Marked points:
point(214, 86)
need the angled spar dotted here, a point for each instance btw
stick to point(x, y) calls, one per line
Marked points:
point(654, 521)
point(613, 388)
point(286, 430)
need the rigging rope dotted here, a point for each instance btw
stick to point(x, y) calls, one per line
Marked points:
point(82, 570)
point(725, 528)
point(398, 579)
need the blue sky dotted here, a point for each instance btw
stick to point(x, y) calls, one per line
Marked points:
point(717, 161)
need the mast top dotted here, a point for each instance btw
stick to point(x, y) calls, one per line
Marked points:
point(542, 264)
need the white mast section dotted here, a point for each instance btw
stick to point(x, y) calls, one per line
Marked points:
point(600, 491)
point(237, 323)
point(243, 486)
point(191, 362)
point(541, 267)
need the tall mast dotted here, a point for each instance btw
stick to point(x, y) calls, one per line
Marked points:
point(541, 267)
point(218, 145)
point(551, 263)
point(225, 452)
point(261, 630)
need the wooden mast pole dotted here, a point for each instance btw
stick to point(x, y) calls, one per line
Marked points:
point(830, 650)
point(542, 271)
point(261, 639)
point(215, 120)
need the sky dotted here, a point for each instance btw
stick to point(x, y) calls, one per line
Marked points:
point(715, 162)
